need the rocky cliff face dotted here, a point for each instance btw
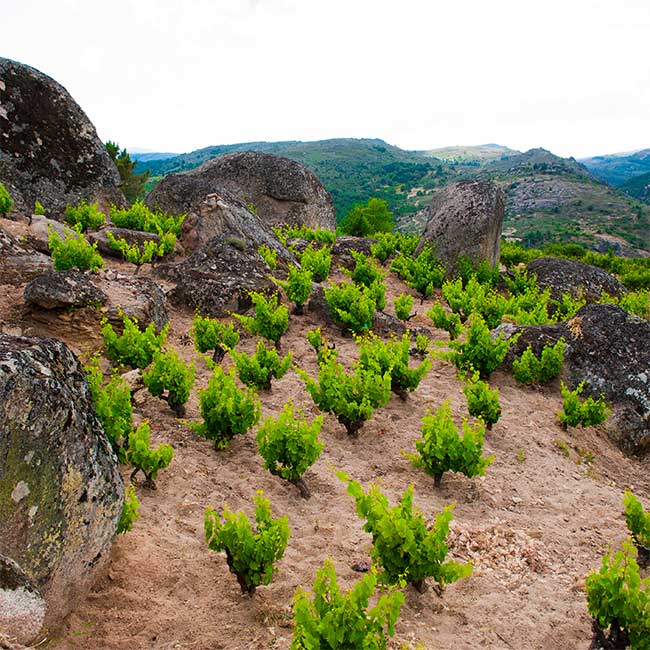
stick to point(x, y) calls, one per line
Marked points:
point(49, 149)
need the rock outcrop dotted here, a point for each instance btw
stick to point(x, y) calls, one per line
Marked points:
point(18, 263)
point(281, 190)
point(576, 278)
point(131, 237)
point(49, 149)
point(216, 278)
point(61, 493)
point(465, 220)
point(63, 290)
point(610, 350)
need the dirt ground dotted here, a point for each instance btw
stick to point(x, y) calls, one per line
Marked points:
point(533, 527)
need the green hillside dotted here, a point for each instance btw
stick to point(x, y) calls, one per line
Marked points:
point(617, 169)
point(638, 187)
point(471, 154)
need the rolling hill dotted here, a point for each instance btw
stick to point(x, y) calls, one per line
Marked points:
point(617, 169)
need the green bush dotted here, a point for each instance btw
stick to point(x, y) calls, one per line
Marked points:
point(297, 287)
point(130, 511)
point(149, 252)
point(475, 298)
point(210, 334)
point(479, 351)
point(317, 262)
point(73, 252)
point(351, 397)
point(482, 272)
point(289, 445)
point(342, 620)
point(269, 256)
point(251, 555)
point(385, 247)
point(422, 344)
point(451, 322)
point(482, 402)
point(403, 305)
point(6, 202)
point(302, 232)
point(365, 270)
point(320, 344)
point(258, 370)
point(142, 458)
point(576, 412)
point(442, 449)
point(39, 209)
point(619, 601)
point(423, 273)
point(393, 357)
point(84, 216)
point(528, 369)
point(637, 520)
point(351, 306)
point(271, 318)
point(366, 220)
point(168, 373)
point(139, 217)
point(402, 544)
point(134, 347)
point(226, 410)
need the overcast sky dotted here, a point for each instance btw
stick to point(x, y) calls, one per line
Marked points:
point(572, 76)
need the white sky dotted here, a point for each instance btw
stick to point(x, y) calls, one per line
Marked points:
point(572, 76)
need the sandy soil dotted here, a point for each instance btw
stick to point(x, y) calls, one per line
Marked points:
point(533, 527)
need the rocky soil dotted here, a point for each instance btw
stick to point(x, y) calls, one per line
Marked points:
point(533, 527)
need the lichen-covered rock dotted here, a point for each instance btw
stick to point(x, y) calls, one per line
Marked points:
point(49, 149)
point(22, 608)
point(342, 247)
point(217, 278)
point(61, 493)
point(38, 235)
point(212, 214)
point(19, 263)
point(63, 289)
point(465, 220)
point(282, 191)
point(610, 350)
point(576, 278)
point(131, 237)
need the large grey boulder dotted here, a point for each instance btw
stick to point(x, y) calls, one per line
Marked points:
point(465, 220)
point(63, 290)
point(61, 494)
point(131, 237)
point(20, 263)
point(576, 278)
point(281, 190)
point(49, 149)
point(610, 350)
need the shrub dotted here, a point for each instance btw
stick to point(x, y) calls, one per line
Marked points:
point(257, 370)
point(442, 449)
point(303, 232)
point(318, 342)
point(297, 287)
point(567, 307)
point(366, 220)
point(449, 322)
point(84, 216)
point(316, 261)
point(133, 348)
point(619, 602)
point(422, 344)
point(268, 255)
point(423, 273)
point(482, 272)
point(637, 520)
point(351, 397)
point(351, 306)
point(482, 402)
point(6, 202)
point(528, 369)
point(130, 511)
point(139, 217)
point(403, 305)
point(226, 410)
point(73, 252)
point(210, 334)
point(251, 555)
point(385, 247)
point(520, 282)
point(141, 457)
point(171, 374)
point(271, 318)
point(479, 351)
point(576, 412)
point(401, 543)
point(393, 358)
point(342, 620)
point(149, 252)
point(39, 209)
point(475, 298)
point(289, 445)
point(365, 270)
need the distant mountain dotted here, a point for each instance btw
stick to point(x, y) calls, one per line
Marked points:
point(548, 198)
point(617, 169)
point(147, 156)
point(638, 187)
point(473, 154)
